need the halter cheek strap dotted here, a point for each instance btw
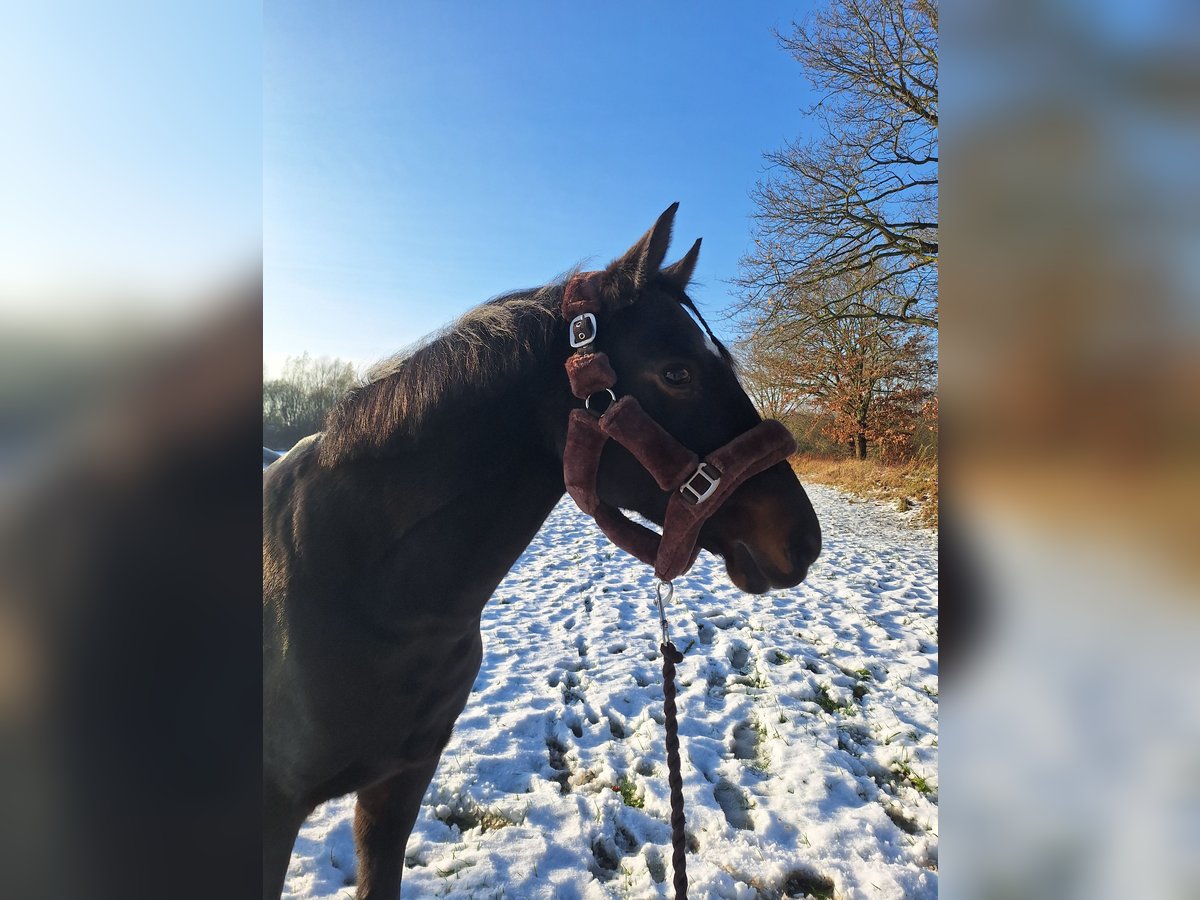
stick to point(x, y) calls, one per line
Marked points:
point(698, 488)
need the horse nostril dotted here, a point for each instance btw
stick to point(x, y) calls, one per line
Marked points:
point(804, 550)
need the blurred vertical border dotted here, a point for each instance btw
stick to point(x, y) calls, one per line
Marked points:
point(130, 370)
point(1070, 391)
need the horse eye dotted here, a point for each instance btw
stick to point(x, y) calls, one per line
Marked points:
point(677, 375)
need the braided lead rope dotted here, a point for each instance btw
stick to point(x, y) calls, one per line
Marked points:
point(672, 656)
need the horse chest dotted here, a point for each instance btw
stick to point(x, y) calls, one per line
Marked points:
point(404, 690)
point(428, 682)
point(392, 705)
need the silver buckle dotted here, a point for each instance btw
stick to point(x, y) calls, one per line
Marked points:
point(612, 398)
point(583, 330)
point(699, 496)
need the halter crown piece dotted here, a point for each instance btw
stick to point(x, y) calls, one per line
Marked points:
point(698, 487)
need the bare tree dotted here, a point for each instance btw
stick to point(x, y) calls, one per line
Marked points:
point(767, 377)
point(872, 375)
point(295, 404)
point(862, 198)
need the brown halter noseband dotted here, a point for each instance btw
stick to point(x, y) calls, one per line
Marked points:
point(698, 488)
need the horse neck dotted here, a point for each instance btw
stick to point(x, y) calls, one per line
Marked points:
point(462, 502)
point(469, 449)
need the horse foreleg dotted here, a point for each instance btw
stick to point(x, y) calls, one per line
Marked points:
point(383, 819)
point(282, 819)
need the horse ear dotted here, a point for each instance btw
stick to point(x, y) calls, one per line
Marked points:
point(681, 272)
point(641, 261)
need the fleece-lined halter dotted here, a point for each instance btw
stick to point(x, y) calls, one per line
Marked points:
point(698, 488)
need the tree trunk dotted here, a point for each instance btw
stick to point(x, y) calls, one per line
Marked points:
point(860, 446)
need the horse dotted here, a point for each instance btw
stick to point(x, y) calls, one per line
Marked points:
point(385, 535)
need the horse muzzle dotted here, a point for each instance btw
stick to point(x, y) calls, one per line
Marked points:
point(767, 533)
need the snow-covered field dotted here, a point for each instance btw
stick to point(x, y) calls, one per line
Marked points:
point(808, 720)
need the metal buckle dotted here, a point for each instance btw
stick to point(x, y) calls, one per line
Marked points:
point(698, 495)
point(612, 398)
point(583, 330)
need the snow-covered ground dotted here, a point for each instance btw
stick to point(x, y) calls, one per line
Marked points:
point(808, 720)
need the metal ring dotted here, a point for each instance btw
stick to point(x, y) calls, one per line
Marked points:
point(587, 404)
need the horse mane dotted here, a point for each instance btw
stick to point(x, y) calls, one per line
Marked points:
point(481, 353)
point(485, 350)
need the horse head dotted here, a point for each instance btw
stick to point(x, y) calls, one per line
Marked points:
point(686, 380)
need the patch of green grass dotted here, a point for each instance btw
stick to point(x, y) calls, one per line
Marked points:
point(491, 820)
point(917, 781)
point(456, 866)
point(827, 703)
point(471, 815)
point(780, 658)
point(824, 701)
point(628, 791)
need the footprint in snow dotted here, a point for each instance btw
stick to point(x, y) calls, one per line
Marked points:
point(573, 722)
point(557, 754)
point(571, 692)
point(606, 858)
point(719, 620)
point(626, 842)
point(735, 804)
point(745, 741)
point(739, 655)
point(715, 678)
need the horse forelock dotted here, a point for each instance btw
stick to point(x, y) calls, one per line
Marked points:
point(712, 342)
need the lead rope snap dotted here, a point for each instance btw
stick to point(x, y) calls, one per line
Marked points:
point(664, 593)
point(663, 602)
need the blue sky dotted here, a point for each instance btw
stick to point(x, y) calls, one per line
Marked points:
point(130, 159)
point(420, 158)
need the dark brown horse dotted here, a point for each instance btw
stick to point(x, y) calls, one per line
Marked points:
point(385, 535)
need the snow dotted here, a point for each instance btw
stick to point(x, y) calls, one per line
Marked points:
point(1076, 728)
point(808, 723)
